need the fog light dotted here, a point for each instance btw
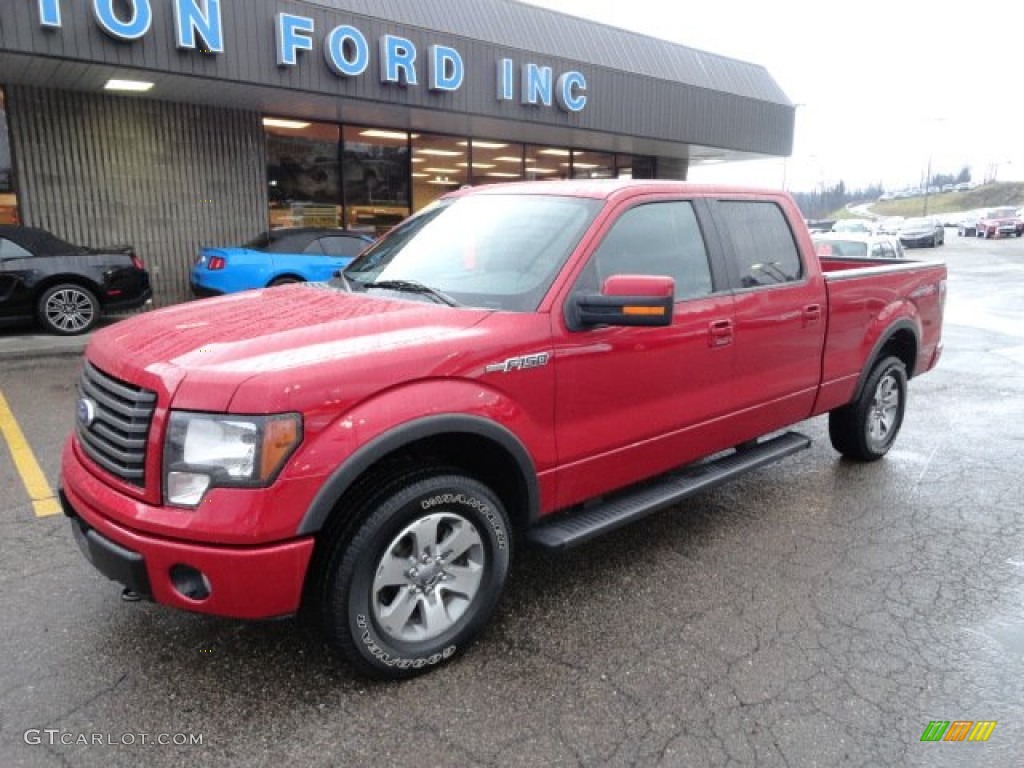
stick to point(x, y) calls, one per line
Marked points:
point(190, 582)
point(186, 488)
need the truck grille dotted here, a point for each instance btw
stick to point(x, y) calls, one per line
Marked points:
point(113, 424)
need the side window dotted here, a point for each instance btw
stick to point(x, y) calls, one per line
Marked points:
point(11, 250)
point(655, 239)
point(343, 246)
point(314, 248)
point(763, 246)
point(878, 251)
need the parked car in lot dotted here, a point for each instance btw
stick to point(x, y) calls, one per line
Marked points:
point(854, 225)
point(890, 225)
point(857, 245)
point(65, 287)
point(922, 231)
point(307, 254)
point(967, 226)
point(1000, 222)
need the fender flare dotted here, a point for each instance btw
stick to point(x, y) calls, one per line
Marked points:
point(395, 438)
point(903, 324)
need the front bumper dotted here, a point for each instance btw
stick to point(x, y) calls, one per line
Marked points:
point(251, 582)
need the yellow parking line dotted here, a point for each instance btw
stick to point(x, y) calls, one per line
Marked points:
point(43, 500)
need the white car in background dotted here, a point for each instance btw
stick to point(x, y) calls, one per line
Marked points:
point(854, 225)
point(857, 245)
point(968, 224)
point(890, 225)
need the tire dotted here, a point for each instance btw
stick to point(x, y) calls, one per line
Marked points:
point(68, 309)
point(419, 578)
point(865, 429)
point(284, 280)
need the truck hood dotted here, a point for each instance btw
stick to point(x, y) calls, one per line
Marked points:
point(214, 345)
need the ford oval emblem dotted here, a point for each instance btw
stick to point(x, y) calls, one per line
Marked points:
point(86, 412)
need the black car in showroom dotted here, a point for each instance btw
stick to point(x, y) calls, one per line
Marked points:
point(65, 287)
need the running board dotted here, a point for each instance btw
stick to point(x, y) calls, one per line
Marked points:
point(572, 528)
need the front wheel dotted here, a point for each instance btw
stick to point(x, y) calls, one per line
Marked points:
point(865, 429)
point(419, 578)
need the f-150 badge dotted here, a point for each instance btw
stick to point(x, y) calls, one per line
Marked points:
point(520, 363)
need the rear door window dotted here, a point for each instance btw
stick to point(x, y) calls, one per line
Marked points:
point(763, 249)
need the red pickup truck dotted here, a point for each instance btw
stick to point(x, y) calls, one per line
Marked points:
point(534, 362)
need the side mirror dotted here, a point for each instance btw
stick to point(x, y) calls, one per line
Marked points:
point(627, 300)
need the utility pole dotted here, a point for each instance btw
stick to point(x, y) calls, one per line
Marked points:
point(927, 184)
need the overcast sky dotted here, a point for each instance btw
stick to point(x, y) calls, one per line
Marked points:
point(881, 86)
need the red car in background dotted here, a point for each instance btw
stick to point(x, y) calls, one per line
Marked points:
point(1000, 222)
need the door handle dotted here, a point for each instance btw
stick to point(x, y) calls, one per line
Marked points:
point(812, 314)
point(719, 333)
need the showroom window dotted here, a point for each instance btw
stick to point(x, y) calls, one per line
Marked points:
point(592, 165)
point(439, 165)
point(495, 162)
point(303, 173)
point(634, 167)
point(546, 163)
point(8, 199)
point(375, 173)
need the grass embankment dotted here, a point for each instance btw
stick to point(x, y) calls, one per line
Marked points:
point(986, 196)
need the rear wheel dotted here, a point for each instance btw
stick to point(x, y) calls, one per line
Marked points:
point(68, 309)
point(865, 429)
point(284, 280)
point(419, 577)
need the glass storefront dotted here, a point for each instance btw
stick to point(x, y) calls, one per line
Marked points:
point(303, 173)
point(546, 163)
point(8, 199)
point(439, 164)
point(592, 165)
point(375, 173)
point(369, 179)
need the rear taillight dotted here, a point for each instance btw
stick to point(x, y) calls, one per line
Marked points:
point(137, 262)
point(216, 262)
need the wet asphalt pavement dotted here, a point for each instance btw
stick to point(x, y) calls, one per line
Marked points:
point(815, 613)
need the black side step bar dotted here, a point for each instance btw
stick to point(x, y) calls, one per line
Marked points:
point(572, 528)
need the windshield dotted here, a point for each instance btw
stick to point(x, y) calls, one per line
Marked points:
point(491, 251)
point(1004, 213)
point(918, 223)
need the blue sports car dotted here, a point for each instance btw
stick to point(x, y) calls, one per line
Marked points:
point(309, 254)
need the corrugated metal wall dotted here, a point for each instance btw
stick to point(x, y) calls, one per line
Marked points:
point(167, 178)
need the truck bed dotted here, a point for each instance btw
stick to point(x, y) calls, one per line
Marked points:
point(864, 295)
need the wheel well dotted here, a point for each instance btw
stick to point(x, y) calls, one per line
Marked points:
point(476, 455)
point(286, 276)
point(481, 458)
point(83, 282)
point(902, 345)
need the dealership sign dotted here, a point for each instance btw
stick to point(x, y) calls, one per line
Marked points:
point(198, 26)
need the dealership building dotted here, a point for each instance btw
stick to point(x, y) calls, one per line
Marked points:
point(174, 124)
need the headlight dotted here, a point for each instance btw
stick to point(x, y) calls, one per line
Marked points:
point(204, 451)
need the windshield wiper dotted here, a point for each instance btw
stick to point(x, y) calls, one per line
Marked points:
point(412, 286)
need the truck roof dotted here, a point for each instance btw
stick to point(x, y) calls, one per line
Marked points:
point(606, 188)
